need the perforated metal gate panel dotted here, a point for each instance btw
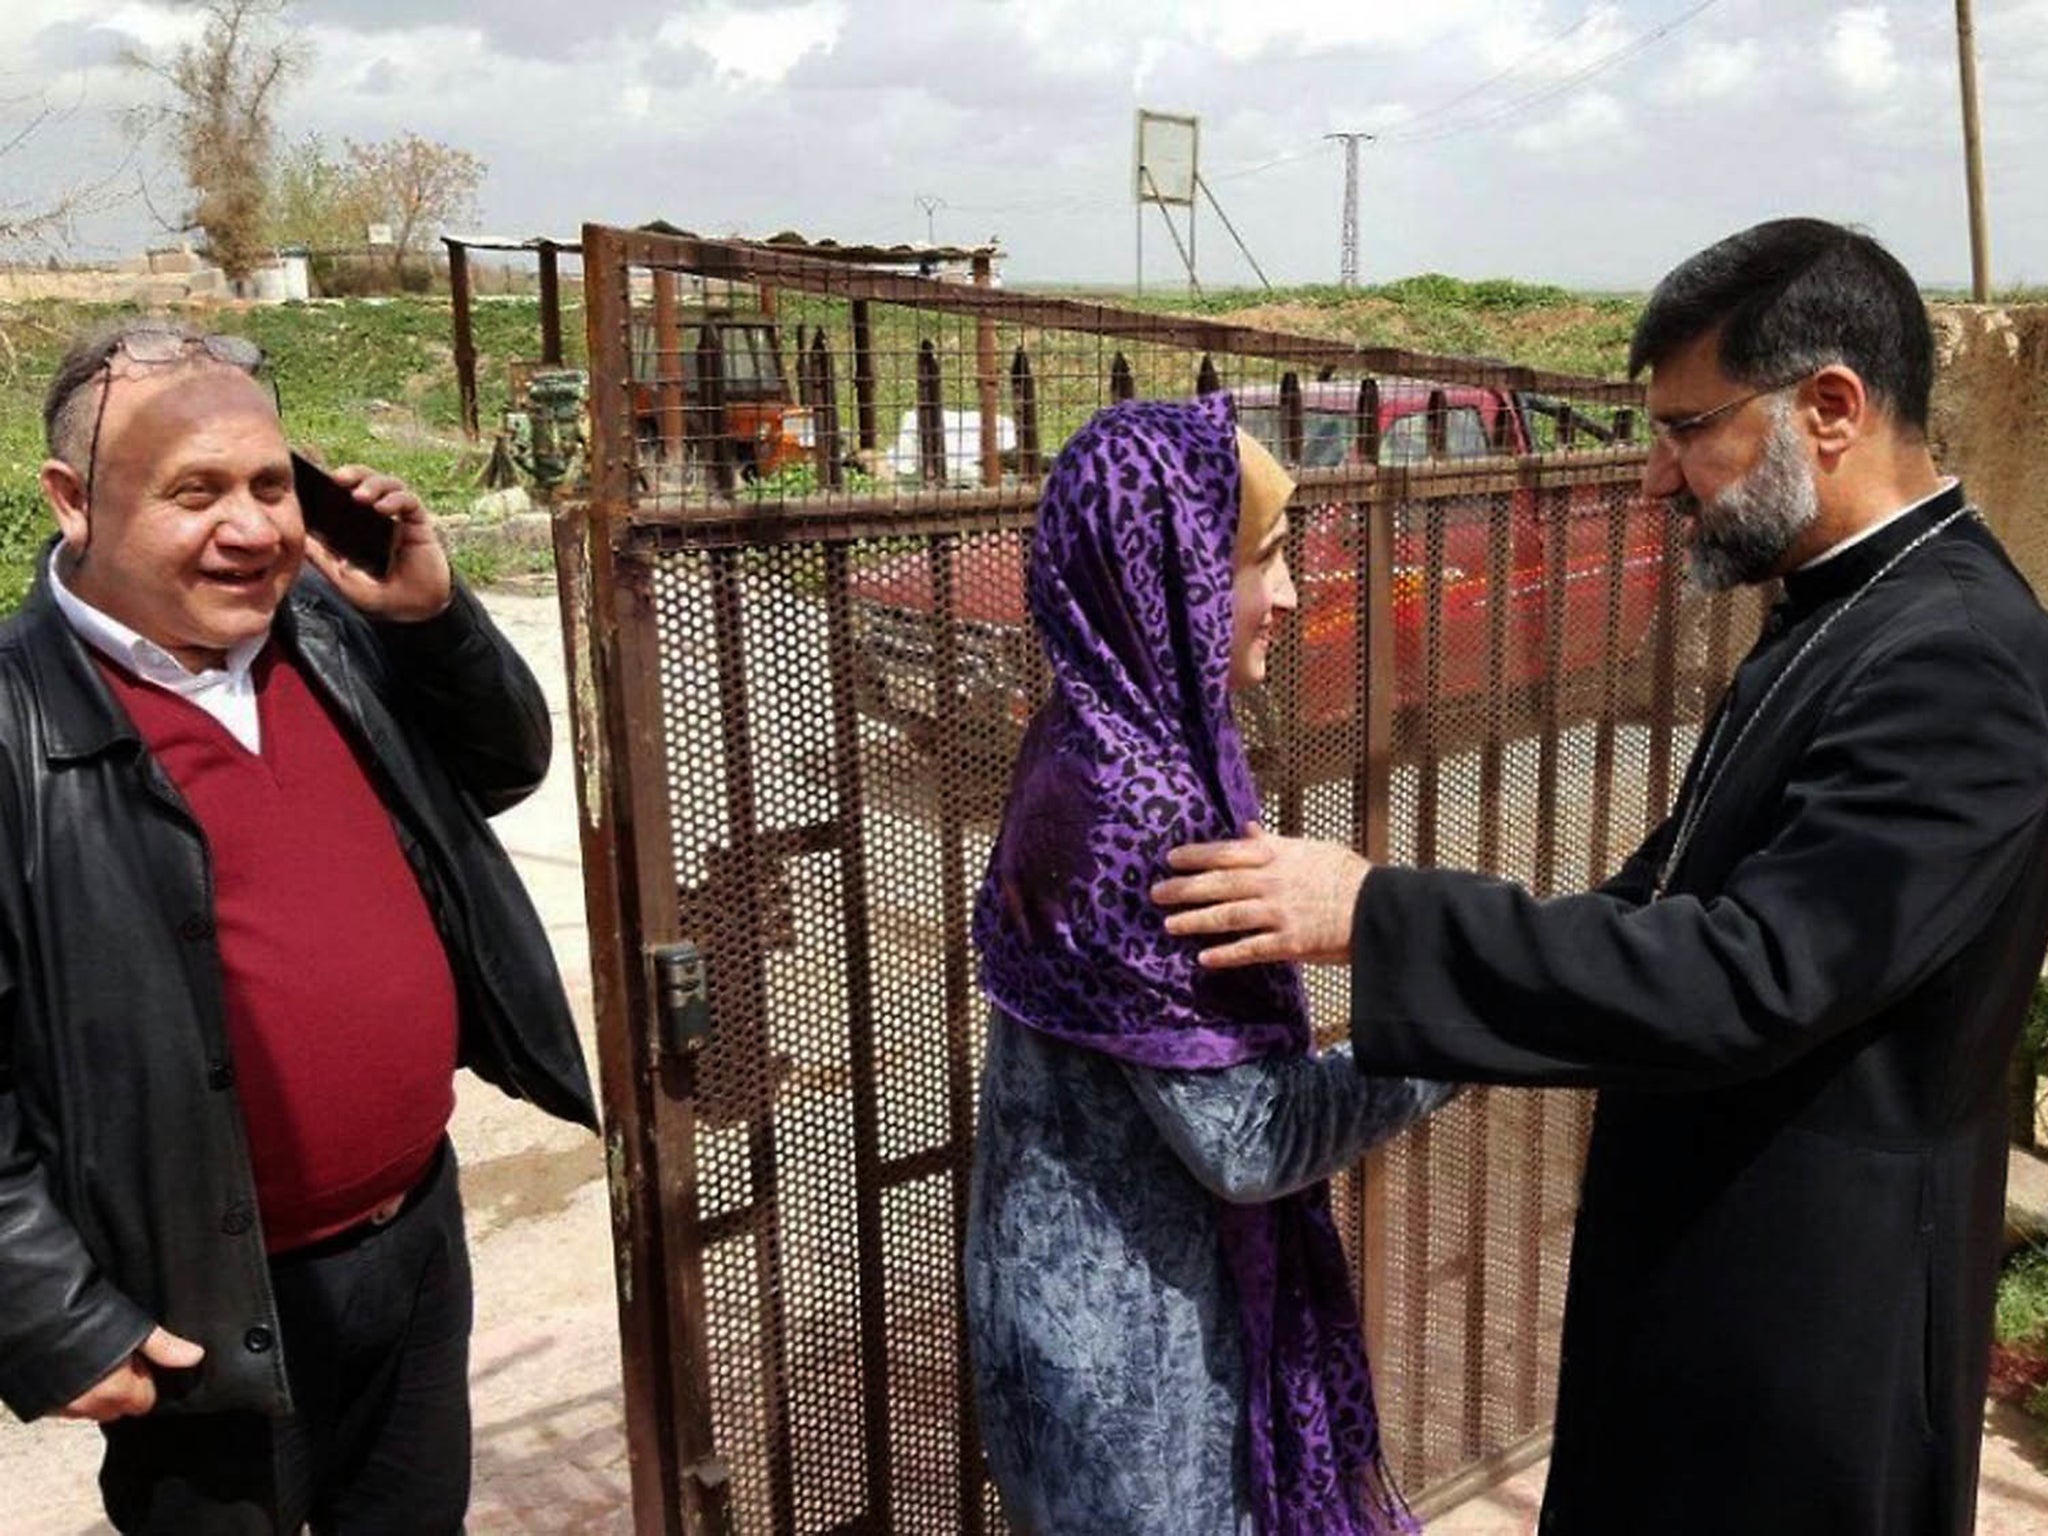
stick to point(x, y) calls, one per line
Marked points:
point(800, 700)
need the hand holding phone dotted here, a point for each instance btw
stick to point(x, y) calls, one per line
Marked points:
point(358, 533)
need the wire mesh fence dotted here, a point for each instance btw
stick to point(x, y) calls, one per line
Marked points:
point(796, 608)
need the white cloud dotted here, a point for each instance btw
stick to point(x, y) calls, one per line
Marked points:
point(1018, 114)
point(1530, 42)
point(1594, 118)
point(1716, 71)
point(154, 25)
point(1241, 32)
point(1092, 35)
point(1860, 51)
point(759, 47)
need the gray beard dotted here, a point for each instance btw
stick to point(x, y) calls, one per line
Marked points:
point(1743, 534)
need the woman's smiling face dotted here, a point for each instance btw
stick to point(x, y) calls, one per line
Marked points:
point(1262, 594)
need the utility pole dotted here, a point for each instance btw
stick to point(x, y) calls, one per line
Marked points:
point(1973, 156)
point(1347, 262)
point(930, 205)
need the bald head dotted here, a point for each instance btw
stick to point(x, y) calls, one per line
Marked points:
point(171, 482)
point(129, 347)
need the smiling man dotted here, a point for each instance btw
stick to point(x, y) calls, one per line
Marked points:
point(1798, 997)
point(251, 919)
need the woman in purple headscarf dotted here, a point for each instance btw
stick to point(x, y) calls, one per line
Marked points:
point(1161, 1319)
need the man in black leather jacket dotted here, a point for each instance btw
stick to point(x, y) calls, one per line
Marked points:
point(252, 915)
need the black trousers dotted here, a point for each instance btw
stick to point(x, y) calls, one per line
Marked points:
point(375, 1329)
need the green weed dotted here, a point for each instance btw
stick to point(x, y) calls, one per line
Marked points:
point(2022, 1314)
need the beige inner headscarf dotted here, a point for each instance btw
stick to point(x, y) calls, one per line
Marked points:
point(1263, 490)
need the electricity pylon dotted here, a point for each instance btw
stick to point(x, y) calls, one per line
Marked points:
point(1347, 274)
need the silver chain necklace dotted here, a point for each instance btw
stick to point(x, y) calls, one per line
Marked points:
point(1696, 804)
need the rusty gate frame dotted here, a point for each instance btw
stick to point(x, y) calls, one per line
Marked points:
point(605, 548)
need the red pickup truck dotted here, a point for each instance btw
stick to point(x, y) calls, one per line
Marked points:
point(1419, 420)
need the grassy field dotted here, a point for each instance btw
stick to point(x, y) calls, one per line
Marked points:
point(361, 381)
point(1530, 323)
point(373, 380)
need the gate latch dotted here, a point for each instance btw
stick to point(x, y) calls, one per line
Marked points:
point(714, 1506)
point(682, 999)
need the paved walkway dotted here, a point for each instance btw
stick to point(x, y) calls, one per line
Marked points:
point(550, 1443)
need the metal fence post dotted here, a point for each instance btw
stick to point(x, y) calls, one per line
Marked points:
point(465, 337)
point(1024, 401)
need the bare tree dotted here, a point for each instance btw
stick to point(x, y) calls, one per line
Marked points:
point(415, 185)
point(223, 94)
point(43, 220)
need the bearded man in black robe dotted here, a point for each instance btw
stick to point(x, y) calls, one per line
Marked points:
point(1799, 996)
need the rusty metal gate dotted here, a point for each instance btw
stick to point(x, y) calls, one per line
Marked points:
point(801, 662)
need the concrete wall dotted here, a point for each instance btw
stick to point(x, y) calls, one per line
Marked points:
point(86, 285)
point(1990, 421)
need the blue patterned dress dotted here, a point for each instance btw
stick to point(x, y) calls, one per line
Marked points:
point(1101, 1318)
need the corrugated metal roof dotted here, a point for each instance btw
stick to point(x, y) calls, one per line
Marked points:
point(906, 254)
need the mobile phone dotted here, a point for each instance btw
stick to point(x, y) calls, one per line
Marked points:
point(360, 534)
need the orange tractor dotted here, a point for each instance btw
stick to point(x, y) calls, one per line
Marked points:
point(727, 398)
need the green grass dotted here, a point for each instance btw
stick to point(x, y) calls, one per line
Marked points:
point(369, 381)
point(2022, 1314)
point(1532, 323)
point(2033, 1044)
point(2021, 1317)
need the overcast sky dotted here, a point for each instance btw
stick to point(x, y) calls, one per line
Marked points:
point(1543, 139)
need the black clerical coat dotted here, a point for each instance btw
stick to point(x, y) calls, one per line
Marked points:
point(1779, 1312)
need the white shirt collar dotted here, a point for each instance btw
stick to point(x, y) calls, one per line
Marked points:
point(1858, 537)
point(145, 658)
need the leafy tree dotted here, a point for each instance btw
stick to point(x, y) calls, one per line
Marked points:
point(416, 186)
point(316, 200)
point(223, 92)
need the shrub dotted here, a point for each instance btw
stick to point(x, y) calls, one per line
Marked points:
point(2022, 1315)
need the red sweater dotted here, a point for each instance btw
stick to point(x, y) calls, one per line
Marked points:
point(341, 1010)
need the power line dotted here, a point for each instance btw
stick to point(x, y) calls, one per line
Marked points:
point(1513, 67)
point(1267, 165)
point(1495, 116)
point(1083, 202)
point(1490, 117)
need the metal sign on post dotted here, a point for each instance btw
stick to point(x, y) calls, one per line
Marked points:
point(1168, 160)
point(1166, 172)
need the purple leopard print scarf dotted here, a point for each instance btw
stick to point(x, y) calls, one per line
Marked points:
point(1135, 753)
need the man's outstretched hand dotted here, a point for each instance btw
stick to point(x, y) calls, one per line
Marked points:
point(1284, 898)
